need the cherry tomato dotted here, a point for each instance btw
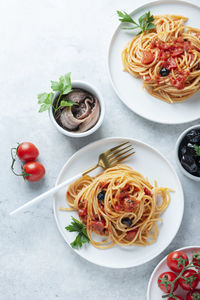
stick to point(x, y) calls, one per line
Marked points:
point(193, 295)
point(170, 276)
point(175, 258)
point(34, 171)
point(196, 259)
point(179, 297)
point(190, 280)
point(147, 58)
point(27, 152)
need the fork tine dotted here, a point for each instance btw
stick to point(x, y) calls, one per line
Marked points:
point(116, 147)
point(120, 154)
point(123, 158)
point(115, 153)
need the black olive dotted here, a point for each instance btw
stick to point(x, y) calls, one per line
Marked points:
point(185, 40)
point(193, 136)
point(101, 195)
point(164, 72)
point(126, 221)
point(189, 163)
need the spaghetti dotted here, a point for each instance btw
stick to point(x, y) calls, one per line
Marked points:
point(119, 204)
point(167, 58)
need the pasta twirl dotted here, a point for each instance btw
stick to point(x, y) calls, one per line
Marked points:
point(167, 59)
point(119, 204)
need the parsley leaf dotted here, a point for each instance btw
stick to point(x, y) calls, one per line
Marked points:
point(124, 17)
point(67, 103)
point(45, 100)
point(145, 22)
point(82, 237)
point(63, 86)
point(197, 150)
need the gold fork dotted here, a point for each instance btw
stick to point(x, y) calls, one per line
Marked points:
point(112, 157)
point(107, 159)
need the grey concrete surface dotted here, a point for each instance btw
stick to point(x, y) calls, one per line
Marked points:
point(41, 40)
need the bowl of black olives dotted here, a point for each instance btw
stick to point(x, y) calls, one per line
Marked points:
point(188, 152)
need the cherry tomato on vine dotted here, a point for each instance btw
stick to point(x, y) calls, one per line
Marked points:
point(190, 280)
point(27, 151)
point(179, 297)
point(193, 295)
point(33, 171)
point(163, 278)
point(176, 260)
point(196, 259)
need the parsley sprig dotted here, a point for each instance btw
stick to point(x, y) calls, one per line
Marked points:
point(145, 22)
point(63, 86)
point(82, 236)
point(182, 262)
point(197, 150)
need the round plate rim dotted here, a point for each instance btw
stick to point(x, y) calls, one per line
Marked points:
point(159, 264)
point(146, 5)
point(83, 149)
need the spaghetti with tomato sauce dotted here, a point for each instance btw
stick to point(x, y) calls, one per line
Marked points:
point(166, 58)
point(120, 205)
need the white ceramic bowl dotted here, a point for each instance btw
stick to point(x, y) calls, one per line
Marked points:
point(94, 91)
point(186, 173)
point(153, 291)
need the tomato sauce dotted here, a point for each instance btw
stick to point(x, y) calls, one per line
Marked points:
point(168, 52)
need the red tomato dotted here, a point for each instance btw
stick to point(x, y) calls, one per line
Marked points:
point(34, 171)
point(193, 295)
point(196, 259)
point(176, 257)
point(147, 192)
point(164, 55)
point(179, 297)
point(27, 151)
point(171, 64)
point(170, 276)
point(82, 212)
point(162, 45)
point(190, 280)
point(147, 58)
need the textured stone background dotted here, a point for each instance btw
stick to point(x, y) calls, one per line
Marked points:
point(40, 40)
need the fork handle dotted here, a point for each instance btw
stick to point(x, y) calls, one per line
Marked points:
point(90, 169)
point(48, 193)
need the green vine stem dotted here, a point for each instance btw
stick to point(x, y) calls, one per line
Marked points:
point(181, 261)
point(14, 155)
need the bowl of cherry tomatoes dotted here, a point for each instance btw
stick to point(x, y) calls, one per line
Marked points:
point(177, 276)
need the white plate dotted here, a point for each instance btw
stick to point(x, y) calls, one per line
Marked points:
point(153, 291)
point(148, 162)
point(129, 89)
